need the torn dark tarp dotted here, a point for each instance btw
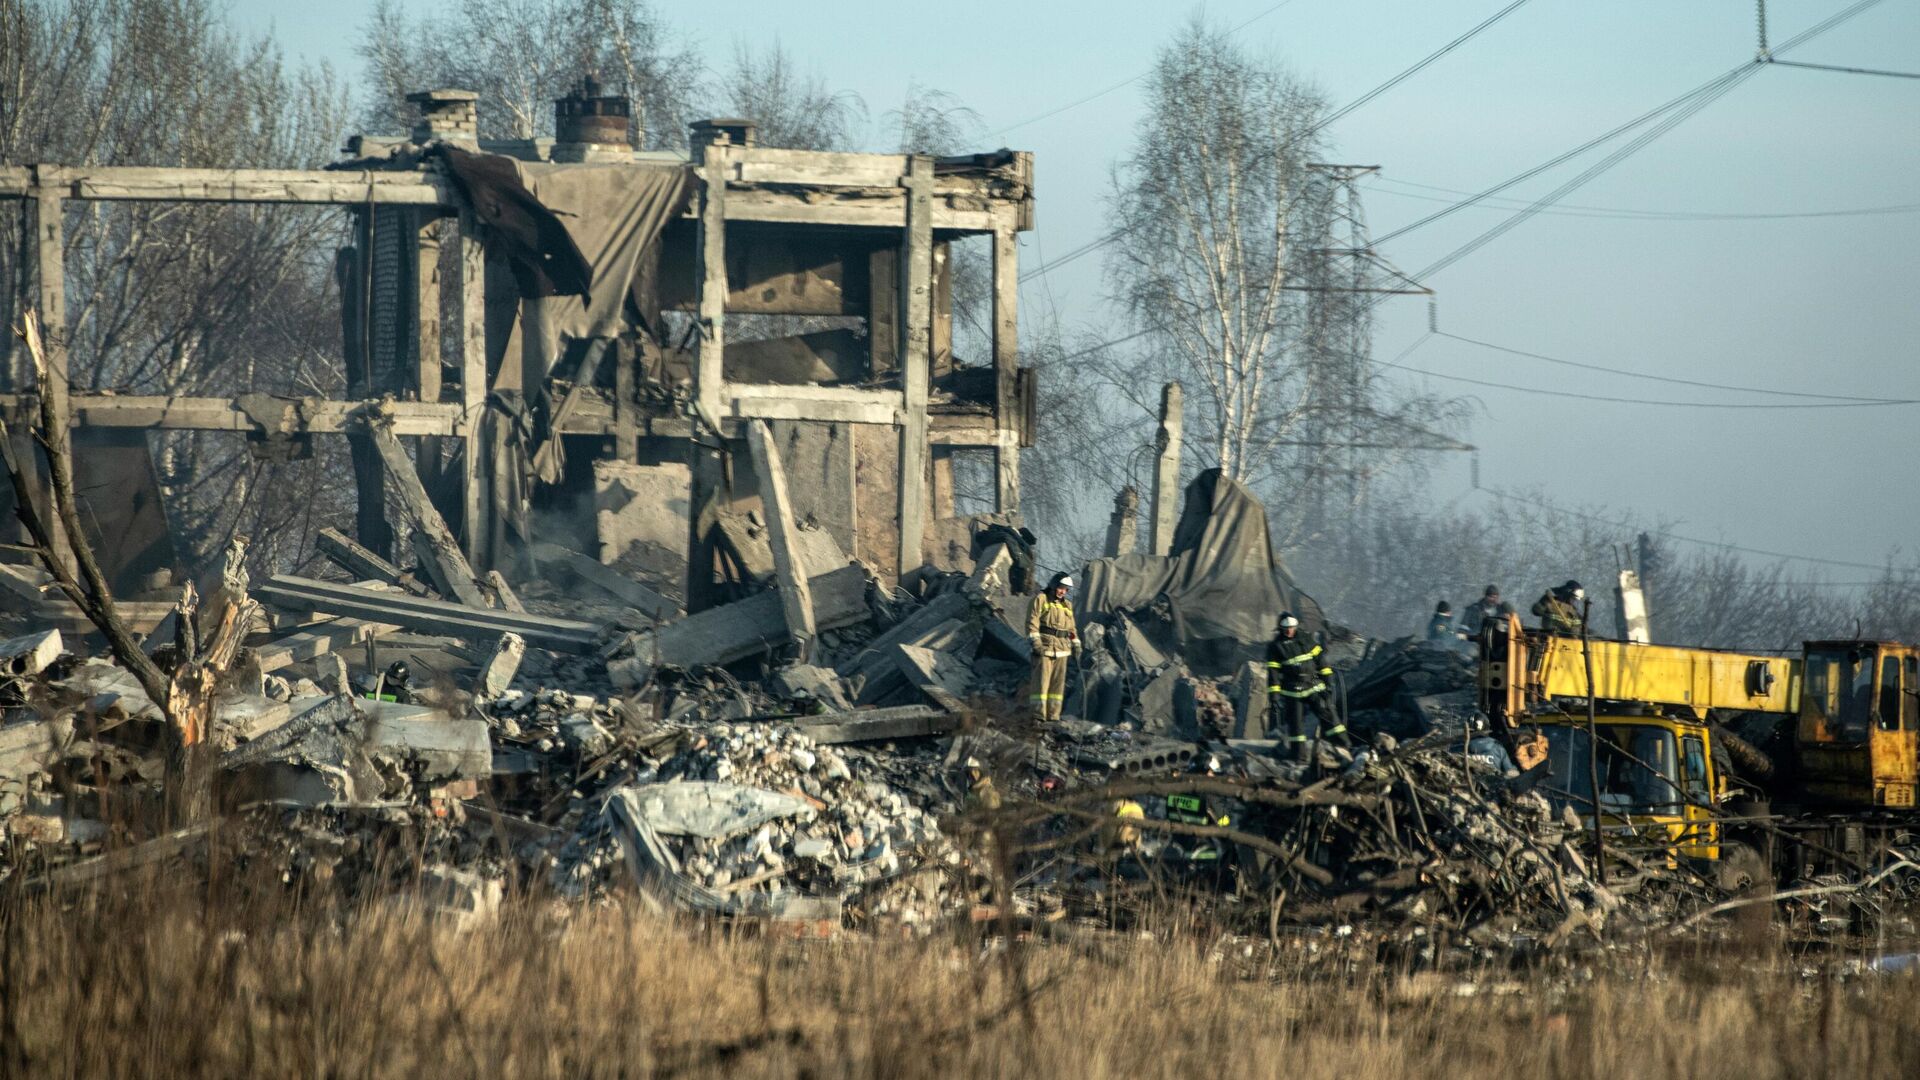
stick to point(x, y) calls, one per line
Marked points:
point(1222, 581)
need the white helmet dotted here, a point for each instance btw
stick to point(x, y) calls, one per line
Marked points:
point(1061, 580)
point(1287, 620)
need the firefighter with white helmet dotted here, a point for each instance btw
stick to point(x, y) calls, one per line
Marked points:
point(1056, 639)
point(1297, 675)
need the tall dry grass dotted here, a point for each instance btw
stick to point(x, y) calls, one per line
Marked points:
point(173, 980)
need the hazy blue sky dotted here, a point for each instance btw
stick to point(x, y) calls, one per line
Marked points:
point(1823, 304)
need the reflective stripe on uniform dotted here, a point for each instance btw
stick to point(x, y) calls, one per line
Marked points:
point(1307, 693)
point(1296, 738)
point(1337, 729)
point(1302, 658)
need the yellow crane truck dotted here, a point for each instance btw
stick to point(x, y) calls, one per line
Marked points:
point(1670, 774)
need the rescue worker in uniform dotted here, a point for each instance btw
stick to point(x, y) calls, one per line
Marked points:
point(1296, 683)
point(1440, 626)
point(1477, 616)
point(1559, 609)
point(1211, 857)
point(1055, 638)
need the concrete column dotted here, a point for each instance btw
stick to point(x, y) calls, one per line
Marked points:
point(1166, 471)
point(1123, 528)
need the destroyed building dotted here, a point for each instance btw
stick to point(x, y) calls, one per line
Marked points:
point(789, 700)
point(541, 367)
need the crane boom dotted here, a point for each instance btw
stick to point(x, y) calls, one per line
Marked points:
point(1522, 673)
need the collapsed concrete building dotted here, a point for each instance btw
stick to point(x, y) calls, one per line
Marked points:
point(548, 324)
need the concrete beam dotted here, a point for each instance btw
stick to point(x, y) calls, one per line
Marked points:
point(427, 616)
point(790, 579)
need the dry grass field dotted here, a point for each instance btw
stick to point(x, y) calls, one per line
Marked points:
point(157, 981)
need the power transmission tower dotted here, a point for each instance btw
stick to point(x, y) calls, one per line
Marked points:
point(1341, 272)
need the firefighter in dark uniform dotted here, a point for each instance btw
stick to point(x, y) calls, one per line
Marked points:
point(1211, 856)
point(1559, 609)
point(1296, 684)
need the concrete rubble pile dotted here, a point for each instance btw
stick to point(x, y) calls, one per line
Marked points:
point(724, 763)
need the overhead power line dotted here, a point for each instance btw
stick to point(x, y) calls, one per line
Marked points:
point(1692, 100)
point(1102, 241)
point(1566, 209)
point(1421, 65)
point(1847, 70)
point(1656, 402)
point(1668, 379)
point(1565, 512)
point(1122, 84)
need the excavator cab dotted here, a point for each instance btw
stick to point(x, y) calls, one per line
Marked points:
point(1858, 723)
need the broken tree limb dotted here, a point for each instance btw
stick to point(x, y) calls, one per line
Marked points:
point(428, 616)
point(445, 563)
point(94, 598)
point(796, 603)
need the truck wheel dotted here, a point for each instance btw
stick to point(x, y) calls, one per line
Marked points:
point(1741, 871)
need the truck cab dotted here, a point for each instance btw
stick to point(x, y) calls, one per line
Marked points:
point(1857, 727)
point(1657, 778)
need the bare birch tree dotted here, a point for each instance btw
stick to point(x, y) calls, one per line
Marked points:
point(170, 298)
point(519, 55)
point(794, 109)
point(1204, 220)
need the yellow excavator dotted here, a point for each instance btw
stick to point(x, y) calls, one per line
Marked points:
point(1670, 773)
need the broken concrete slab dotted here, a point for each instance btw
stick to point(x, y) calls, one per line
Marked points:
point(249, 716)
point(805, 681)
point(640, 513)
point(651, 604)
point(435, 747)
point(1250, 701)
point(746, 539)
point(1156, 702)
point(1145, 653)
point(738, 630)
point(29, 654)
point(714, 810)
point(331, 636)
point(936, 675)
point(111, 691)
point(878, 725)
point(908, 631)
point(30, 747)
point(496, 675)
